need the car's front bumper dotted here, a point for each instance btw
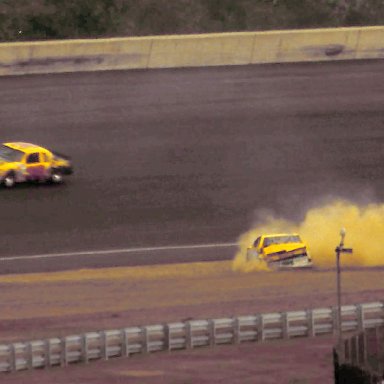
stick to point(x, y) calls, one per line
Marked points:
point(292, 263)
point(66, 170)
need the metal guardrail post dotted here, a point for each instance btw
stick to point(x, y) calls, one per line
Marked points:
point(104, 345)
point(29, 355)
point(145, 340)
point(167, 337)
point(12, 362)
point(47, 354)
point(211, 333)
point(360, 317)
point(124, 343)
point(260, 327)
point(236, 331)
point(188, 335)
point(63, 352)
point(310, 323)
point(285, 325)
point(84, 349)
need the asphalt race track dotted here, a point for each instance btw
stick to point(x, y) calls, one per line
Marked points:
point(186, 157)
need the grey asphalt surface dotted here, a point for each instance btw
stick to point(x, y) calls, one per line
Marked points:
point(186, 156)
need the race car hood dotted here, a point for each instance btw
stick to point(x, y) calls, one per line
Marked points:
point(284, 250)
point(60, 156)
point(61, 160)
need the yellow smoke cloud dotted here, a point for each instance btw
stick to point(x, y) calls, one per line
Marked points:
point(320, 229)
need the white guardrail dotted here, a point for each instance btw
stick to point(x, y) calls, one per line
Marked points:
point(187, 335)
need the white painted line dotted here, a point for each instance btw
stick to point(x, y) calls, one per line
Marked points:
point(114, 251)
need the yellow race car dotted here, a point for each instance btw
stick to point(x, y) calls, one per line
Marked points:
point(280, 251)
point(23, 162)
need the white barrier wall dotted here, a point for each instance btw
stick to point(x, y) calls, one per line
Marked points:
point(188, 335)
point(192, 50)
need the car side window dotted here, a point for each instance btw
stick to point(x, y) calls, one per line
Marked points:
point(257, 242)
point(33, 158)
point(267, 242)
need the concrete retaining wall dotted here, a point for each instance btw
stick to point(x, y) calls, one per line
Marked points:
point(192, 50)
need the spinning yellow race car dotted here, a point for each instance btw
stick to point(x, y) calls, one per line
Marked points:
point(280, 251)
point(23, 162)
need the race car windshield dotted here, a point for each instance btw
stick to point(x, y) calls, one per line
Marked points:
point(281, 240)
point(10, 154)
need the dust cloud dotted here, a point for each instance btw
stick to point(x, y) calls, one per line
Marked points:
point(320, 229)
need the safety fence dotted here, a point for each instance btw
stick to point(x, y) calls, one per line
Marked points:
point(187, 335)
point(360, 359)
point(214, 49)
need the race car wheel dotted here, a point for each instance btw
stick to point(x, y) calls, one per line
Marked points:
point(9, 180)
point(56, 176)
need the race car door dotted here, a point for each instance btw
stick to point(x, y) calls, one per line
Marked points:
point(34, 166)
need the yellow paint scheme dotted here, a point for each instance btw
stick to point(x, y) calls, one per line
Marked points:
point(24, 171)
point(280, 248)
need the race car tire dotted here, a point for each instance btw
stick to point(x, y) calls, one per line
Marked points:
point(56, 176)
point(9, 180)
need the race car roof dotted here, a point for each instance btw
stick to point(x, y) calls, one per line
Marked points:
point(24, 147)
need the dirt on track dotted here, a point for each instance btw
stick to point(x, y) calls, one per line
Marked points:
point(37, 306)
